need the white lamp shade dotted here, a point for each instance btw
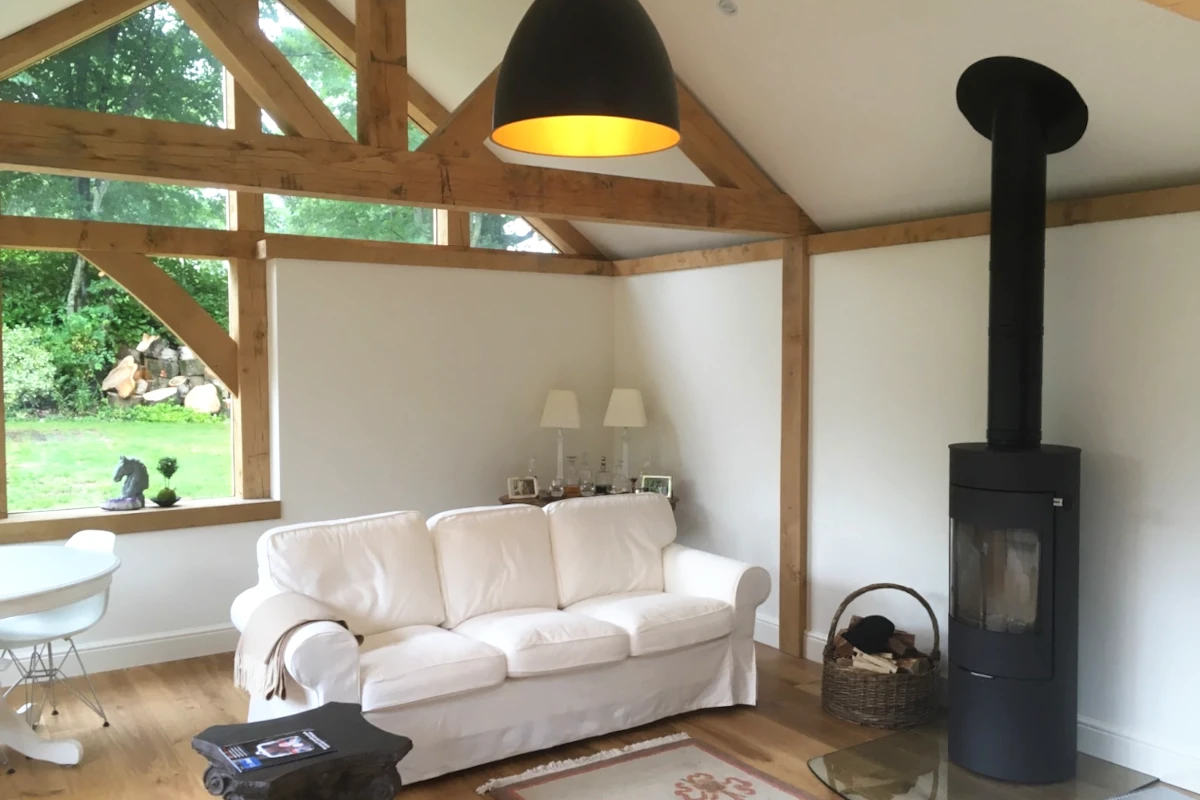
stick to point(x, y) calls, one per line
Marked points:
point(625, 410)
point(562, 409)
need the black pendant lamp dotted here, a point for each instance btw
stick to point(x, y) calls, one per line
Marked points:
point(586, 78)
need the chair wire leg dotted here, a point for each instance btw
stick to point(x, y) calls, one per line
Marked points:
point(53, 677)
point(94, 702)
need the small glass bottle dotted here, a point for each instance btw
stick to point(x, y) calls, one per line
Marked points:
point(587, 485)
point(604, 478)
point(571, 474)
point(645, 470)
point(621, 483)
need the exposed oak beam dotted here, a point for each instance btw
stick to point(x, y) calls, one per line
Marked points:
point(382, 85)
point(423, 108)
point(59, 31)
point(248, 305)
point(463, 134)
point(69, 142)
point(1186, 8)
point(69, 235)
point(714, 152)
point(771, 250)
point(174, 307)
point(329, 24)
point(261, 69)
point(317, 248)
point(452, 228)
point(794, 444)
point(1059, 214)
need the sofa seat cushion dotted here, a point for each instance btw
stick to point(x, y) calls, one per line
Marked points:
point(658, 622)
point(536, 641)
point(422, 662)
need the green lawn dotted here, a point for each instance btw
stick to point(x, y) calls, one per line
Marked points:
point(70, 463)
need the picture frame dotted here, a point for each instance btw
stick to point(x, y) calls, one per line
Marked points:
point(658, 484)
point(523, 487)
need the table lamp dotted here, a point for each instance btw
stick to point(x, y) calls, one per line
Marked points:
point(561, 411)
point(625, 411)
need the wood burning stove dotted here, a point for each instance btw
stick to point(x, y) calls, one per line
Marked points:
point(1014, 502)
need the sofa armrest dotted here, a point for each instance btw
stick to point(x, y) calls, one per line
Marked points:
point(700, 574)
point(323, 658)
point(246, 602)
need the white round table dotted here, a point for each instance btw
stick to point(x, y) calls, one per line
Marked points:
point(36, 578)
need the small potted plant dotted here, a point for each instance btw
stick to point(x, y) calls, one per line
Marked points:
point(166, 497)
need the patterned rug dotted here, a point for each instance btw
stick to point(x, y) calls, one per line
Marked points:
point(670, 768)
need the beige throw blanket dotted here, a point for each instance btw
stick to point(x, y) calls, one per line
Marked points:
point(258, 662)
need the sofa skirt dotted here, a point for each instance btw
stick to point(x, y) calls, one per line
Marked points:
point(523, 715)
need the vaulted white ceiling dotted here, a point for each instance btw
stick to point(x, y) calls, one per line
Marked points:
point(849, 105)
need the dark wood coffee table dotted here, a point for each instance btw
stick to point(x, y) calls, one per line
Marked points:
point(361, 766)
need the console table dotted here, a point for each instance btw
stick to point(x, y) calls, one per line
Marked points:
point(542, 502)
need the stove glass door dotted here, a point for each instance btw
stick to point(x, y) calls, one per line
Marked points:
point(994, 577)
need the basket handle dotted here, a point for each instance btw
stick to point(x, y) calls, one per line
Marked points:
point(936, 653)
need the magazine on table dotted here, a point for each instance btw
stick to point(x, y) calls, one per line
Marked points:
point(276, 750)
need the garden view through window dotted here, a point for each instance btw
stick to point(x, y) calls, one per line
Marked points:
point(90, 376)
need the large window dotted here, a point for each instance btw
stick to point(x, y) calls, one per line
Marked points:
point(90, 376)
point(66, 327)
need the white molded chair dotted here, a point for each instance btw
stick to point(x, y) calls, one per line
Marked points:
point(40, 631)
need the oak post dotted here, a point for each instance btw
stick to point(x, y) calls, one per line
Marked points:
point(794, 454)
point(382, 55)
point(248, 311)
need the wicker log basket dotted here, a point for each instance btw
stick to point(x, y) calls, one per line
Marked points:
point(881, 701)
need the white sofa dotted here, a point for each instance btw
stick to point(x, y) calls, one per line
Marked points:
point(497, 631)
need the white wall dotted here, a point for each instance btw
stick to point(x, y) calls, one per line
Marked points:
point(395, 388)
point(704, 346)
point(899, 372)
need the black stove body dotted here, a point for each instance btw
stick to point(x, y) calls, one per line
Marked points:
point(1014, 502)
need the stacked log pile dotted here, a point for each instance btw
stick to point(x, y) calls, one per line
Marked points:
point(899, 655)
point(154, 372)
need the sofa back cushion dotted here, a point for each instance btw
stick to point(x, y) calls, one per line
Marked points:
point(610, 545)
point(493, 559)
point(378, 572)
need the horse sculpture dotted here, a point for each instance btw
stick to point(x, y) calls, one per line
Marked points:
point(133, 491)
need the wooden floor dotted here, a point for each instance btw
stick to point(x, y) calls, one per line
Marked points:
point(155, 711)
point(146, 754)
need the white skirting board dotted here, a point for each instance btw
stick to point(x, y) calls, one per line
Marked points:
point(766, 630)
point(136, 651)
point(1109, 742)
point(1098, 739)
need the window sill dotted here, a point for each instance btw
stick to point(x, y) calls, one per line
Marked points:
point(45, 526)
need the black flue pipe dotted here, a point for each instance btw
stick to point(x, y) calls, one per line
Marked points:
point(1017, 273)
point(1029, 112)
